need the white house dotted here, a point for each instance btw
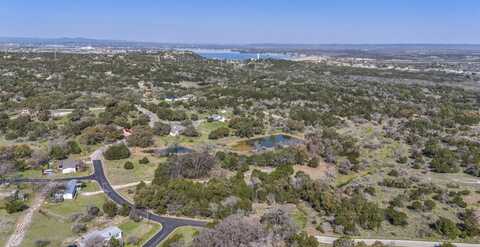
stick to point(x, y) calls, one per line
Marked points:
point(176, 129)
point(70, 166)
point(70, 190)
point(216, 118)
point(100, 237)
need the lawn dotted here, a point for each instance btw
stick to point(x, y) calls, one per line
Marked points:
point(57, 216)
point(142, 230)
point(118, 175)
point(7, 225)
point(185, 233)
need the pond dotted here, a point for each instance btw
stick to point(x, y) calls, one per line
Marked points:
point(267, 142)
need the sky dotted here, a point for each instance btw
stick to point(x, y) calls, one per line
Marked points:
point(246, 21)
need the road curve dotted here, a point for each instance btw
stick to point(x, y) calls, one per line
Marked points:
point(169, 224)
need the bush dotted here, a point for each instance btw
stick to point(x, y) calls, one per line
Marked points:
point(110, 208)
point(142, 136)
point(79, 228)
point(416, 205)
point(117, 152)
point(428, 205)
point(395, 217)
point(124, 210)
point(42, 243)
point(219, 133)
point(144, 160)
point(13, 206)
point(161, 129)
point(128, 165)
point(344, 242)
point(190, 131)
point(446, 228)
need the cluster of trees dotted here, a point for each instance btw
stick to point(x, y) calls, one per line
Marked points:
point(274, 229)
point(117, 152)
point(16, 158)
point(329, 144)
point(219, 133)
point(246, 126)
point(190, 165)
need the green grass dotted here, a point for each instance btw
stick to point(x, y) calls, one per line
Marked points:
point(140, 172)
point(44, 227)
point(300, 218)
point(143, 230)
point(186, 233)
point(69, 207)
point(7, 225)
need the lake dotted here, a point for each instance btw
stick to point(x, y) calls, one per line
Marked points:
point(237, 56)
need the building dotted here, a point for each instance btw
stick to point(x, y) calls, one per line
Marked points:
point(176, 129)
point(70, 166)
point(216, 118)
point(100, 237)
point(70, 190)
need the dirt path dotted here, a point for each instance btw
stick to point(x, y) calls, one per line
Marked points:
point(25, 221)
point(92, 193)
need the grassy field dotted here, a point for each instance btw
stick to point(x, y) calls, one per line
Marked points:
point(142, 230)
point(141, 172)
point(186, 234)
point(57, 216)
point(7, 225)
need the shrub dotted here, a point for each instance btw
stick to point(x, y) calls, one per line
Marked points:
point(13, 206)
point(42, 243)
point(428, 205)
point(128, 165)
point(110, 208)
point(395, 217)
point(161, 129)
point(416, 205)
point(446, 228)
point(117, 152)
point(144, 160)
point(219, 133)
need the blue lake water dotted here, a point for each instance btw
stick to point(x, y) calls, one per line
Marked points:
point(238, 56)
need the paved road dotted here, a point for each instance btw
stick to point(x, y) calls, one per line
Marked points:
point(168, 224)
point(44, 180)
point(390, 242)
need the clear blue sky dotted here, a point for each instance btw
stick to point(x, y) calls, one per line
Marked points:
point(246, 21)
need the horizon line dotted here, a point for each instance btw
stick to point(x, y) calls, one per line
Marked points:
point(237, 44)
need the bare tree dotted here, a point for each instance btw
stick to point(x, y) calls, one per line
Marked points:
point(233, 231)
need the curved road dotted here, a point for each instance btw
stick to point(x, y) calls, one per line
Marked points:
point(168, 223)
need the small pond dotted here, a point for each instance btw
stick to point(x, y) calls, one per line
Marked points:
point(267, 142)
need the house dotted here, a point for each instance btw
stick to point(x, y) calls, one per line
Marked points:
point(70, 166)
point(100, 237)
point(70, 190)
point(216, 118)
point(176, 129)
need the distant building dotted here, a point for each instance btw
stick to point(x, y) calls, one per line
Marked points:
point(216, 118)
point(70, 166)
point(70, 190)
point(100, 237)
point(176, 129)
